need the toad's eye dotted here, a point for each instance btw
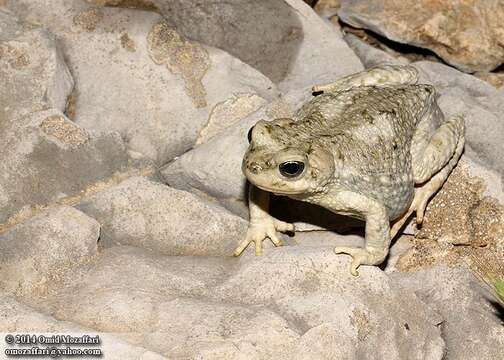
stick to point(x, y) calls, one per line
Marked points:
point(249, 135)
point(291, 169)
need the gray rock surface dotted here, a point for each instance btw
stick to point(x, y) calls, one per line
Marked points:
point(323, 55)
point(284, 39)
point(33, 74)
point(466, 34)
point(151, 215)
point(37, 251)
point(369, 55)
point(45, 157)
point(252, 307)
point(136, 75)
point(472, 326)
point(18, 318)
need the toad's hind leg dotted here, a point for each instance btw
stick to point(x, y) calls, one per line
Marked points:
point(376, 76)
point(432, 163)
point(432, 167)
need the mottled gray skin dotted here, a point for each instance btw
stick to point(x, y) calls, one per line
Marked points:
point(363, 143)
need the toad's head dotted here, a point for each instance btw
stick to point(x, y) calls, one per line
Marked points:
point(281, 159)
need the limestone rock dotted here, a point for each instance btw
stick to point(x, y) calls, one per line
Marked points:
point(495, 79)
point(292, 303)
point(38, 250)
point(136, 75)
point(283, 39)
point(143, 213)
point(33, 74)
point(472, 328)
point(322, 57)
point(45, 157)
point(18, 318)
point(228, 113)
point(466, 34)
point(327, 8)
point(369, 55)
point(348, 305)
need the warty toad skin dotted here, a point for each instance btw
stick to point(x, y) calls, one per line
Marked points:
point(373, 145)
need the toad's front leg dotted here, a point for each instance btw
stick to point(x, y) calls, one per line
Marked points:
point(377, 229)
point(262, 224)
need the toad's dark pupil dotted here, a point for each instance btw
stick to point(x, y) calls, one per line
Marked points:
point(249, 135)
point(291, 168)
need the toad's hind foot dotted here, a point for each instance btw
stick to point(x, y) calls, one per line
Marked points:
point(361, 256)
point(258, 232)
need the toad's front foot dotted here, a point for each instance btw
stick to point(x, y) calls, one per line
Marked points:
point(259, 231)
point(360, 256)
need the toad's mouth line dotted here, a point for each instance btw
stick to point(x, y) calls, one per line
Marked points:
point(276, 191)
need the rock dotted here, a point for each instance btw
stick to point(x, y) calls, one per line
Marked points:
point(195, 325)
point(143, 213)
point(18, 318)
point(495, 79)
point(292, 45)
point(472, 327)
point(493, 186)
point(219, 308)
point(39, 250)
point(136, 75)
point(117, 283)
point(327, 8)
point(301, 277)
point(45, 157)
point(135, 270)
point(369, 55)
point(33, 74)
point(228, 113)
point(322, 57)
point(479, 102)
point(234, 28)
point(465, 34)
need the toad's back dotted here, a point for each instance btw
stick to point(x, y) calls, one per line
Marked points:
point(369, 131)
